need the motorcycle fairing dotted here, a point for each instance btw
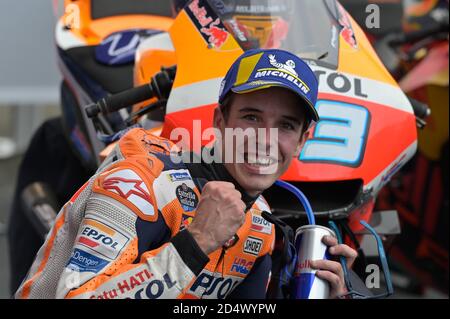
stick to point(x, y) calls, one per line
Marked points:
point(360, 89)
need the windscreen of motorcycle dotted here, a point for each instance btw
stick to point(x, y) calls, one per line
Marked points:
point(308, 28)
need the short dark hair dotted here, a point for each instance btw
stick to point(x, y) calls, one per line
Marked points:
point(228, 100)
point(225, 106)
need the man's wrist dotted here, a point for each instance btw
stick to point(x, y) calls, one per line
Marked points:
point(202, 242)
point(188, 249)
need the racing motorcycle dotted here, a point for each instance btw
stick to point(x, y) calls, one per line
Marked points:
point(368, 126)
point(96, 41)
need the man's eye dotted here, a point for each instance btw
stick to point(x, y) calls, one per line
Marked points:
point(250, 117)
point(288, 126)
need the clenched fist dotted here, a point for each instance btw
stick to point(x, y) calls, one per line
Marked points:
point(220, 213)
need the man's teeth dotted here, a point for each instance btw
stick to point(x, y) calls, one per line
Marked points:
point(260, 161)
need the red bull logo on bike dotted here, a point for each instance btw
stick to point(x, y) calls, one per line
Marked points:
point(102, 239)
point(216, 35)
point(210, 26)
point(347, 32)
point(199, 13)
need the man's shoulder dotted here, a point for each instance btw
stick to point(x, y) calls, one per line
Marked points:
point(140, 148)
point(138, 172)
point(139, 142)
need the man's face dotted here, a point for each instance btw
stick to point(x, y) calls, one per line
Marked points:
point(263, 110)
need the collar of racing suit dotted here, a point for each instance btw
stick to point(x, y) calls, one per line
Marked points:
point(202, 173)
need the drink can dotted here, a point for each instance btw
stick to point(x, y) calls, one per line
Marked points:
point(309, 246)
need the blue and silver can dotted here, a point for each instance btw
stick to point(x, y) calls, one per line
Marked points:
point(309, 246)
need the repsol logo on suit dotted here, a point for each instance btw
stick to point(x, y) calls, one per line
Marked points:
point(97, 238)
point(101, 238)
point(213, 285)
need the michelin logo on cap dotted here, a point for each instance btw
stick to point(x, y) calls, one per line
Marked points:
point(289, 66)
point(285, 70)
point(263, 68)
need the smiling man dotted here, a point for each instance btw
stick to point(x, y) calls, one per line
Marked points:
point(146, 226)
point(275, 113)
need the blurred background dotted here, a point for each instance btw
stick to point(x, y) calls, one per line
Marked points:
point(29, 80)
point(35, 118)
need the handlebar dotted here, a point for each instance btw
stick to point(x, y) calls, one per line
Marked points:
point(120, 100)
point(159, 86)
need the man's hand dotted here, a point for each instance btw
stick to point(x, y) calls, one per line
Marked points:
point(332, 271)
point(220, 213)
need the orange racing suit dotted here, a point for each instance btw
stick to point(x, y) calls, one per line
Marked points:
point(122, 235)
